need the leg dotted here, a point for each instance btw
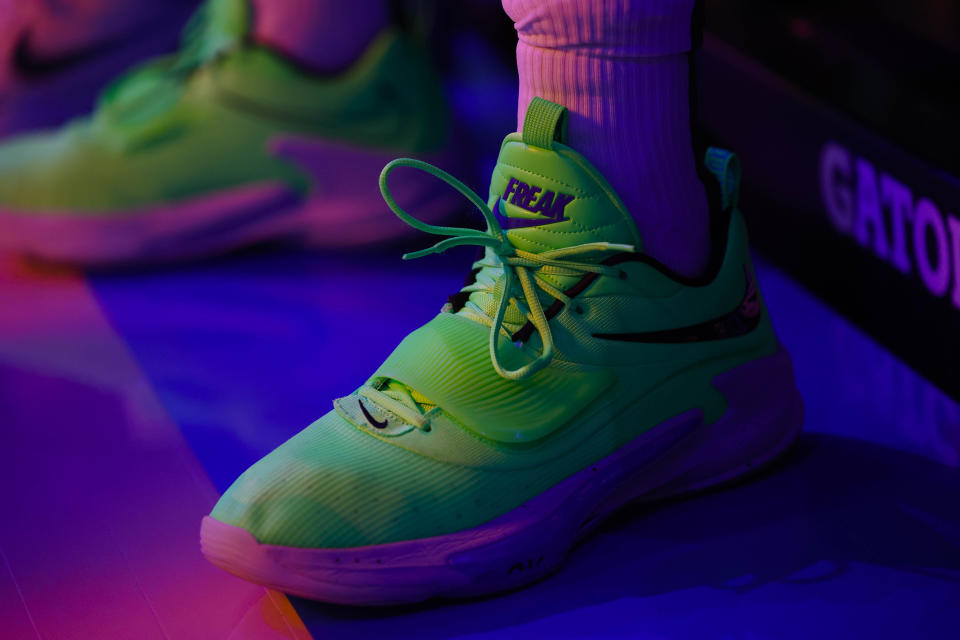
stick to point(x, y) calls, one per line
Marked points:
point(622, 67)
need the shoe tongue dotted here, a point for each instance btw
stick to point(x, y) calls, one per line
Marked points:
point(548, 196)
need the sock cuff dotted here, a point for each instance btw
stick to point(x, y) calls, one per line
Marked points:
point(605, 28)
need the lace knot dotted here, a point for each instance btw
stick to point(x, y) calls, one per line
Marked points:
point(518, 266)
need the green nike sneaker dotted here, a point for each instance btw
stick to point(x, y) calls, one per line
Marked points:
point(573, 375)
point(225, 144)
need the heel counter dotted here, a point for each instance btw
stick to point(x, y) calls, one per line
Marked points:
point(754, 303)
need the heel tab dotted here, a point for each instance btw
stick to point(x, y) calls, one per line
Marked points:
point(544, 123)
point(725, 166)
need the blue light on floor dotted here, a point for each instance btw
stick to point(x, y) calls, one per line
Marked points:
point(856, 533)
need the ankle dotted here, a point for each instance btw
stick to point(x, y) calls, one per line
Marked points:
point(683, 246)
point(621, 67)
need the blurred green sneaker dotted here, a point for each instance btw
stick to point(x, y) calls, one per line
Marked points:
point(572, 375)
point(225, 144)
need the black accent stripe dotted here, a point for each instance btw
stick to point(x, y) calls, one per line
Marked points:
point(738, 322)
point(732, 325)
point(523, 334)
point(458, 299)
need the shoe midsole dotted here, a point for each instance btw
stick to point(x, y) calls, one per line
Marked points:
point(334, 214)
point(681, 455)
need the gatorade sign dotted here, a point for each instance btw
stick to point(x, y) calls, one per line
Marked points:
point(900, 226)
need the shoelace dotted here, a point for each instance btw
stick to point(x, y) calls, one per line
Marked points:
point(518, 265)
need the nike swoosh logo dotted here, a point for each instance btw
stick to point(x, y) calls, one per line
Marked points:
point(32, 66)
point(376, 424)
point(736, 323)
point(518, 221)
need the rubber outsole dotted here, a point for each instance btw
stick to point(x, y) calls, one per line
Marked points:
point(680, 456)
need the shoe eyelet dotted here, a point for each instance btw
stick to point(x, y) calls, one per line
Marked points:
point(622, 275)
point(578, 310)
point(427, 428)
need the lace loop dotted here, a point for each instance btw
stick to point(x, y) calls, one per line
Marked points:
point(494, 237)
point(517, 265)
